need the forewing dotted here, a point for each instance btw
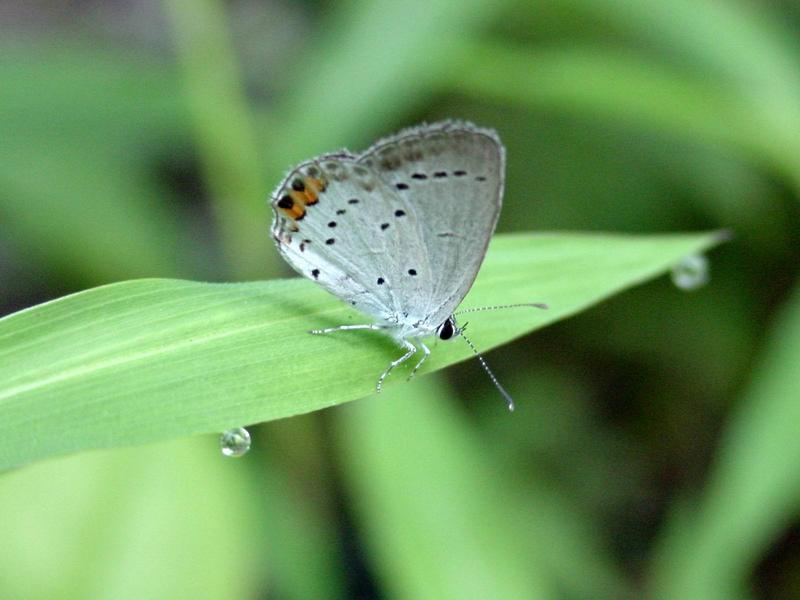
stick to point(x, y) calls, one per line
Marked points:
point(451, 176)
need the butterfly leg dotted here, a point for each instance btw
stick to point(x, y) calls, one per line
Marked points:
point(426, 353)
point(412, 350)
point(370, 326)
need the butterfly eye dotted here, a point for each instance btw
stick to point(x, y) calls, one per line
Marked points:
point(447, 329)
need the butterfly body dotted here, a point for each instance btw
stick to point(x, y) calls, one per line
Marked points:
point(398, 231)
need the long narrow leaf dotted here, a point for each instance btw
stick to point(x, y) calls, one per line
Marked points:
point(754, 490)
point(147, 360)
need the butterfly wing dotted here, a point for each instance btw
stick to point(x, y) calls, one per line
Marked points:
point(338, 223)
point(451, 175)
point(400, 231)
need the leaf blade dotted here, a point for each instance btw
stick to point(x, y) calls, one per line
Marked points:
point(146, 360)
point(711, 545)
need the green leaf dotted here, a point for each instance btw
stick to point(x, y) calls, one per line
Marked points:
point(300, 547)
point(77, 189)
point(432, 475)
point(461, 502)
point(754, 488)
point(323, 99)
point(173, 520)
point(225, 139)
point(147, 360)
point(628, 88)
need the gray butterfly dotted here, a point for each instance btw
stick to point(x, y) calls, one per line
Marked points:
point(398, 231)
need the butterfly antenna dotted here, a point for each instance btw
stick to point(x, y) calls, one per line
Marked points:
point(500, 306)
point(506, 395)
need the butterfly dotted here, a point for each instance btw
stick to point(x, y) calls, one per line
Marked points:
point(398, 231)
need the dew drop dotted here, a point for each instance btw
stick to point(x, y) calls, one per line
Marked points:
point(691, 272)
point(235, 442)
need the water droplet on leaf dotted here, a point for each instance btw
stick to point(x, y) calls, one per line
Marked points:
point(235, 442)
point(691, 272)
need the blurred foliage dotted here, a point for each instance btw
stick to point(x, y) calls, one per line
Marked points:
point(653, 453)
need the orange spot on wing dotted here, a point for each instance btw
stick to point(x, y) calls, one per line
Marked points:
point(298, 197)
point(296, 212)
point(313, 187)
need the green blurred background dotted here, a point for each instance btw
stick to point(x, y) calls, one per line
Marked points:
point(655, 451)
